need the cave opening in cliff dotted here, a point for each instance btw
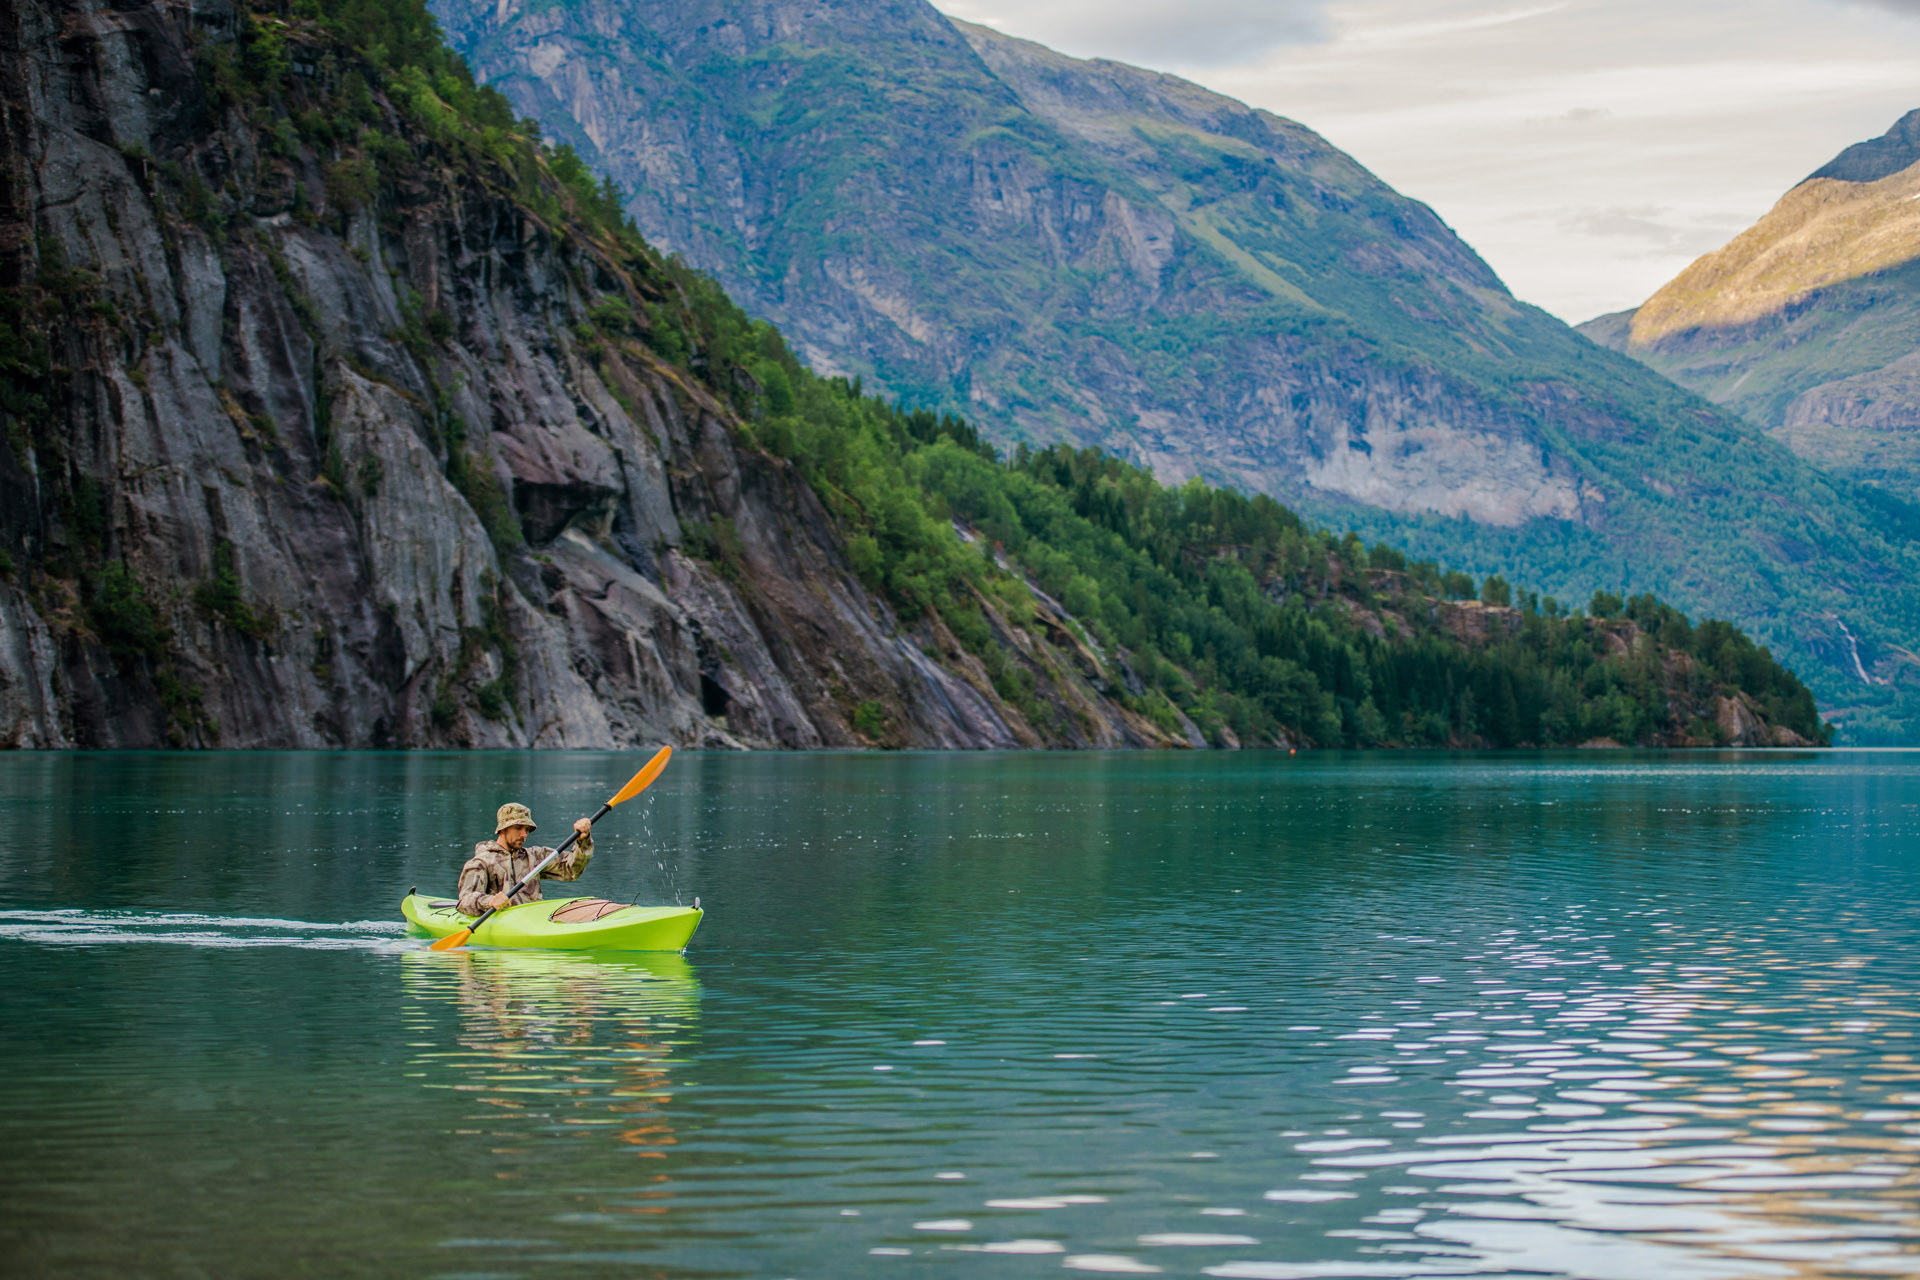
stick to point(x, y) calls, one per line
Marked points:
point(714, 698)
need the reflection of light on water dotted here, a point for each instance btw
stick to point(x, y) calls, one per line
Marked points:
point(560, 1043)
point(1687, 1133)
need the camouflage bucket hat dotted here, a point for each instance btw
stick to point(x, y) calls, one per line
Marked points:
point(513, 815)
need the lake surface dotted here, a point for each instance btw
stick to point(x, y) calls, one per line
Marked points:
point(1601, 1015)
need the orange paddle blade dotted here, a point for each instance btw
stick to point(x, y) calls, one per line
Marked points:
point(643, 779)
point(451, 941)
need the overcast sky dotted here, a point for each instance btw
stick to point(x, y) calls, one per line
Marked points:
point(1589, 149)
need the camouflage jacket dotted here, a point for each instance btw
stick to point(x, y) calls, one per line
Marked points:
point(493, 870)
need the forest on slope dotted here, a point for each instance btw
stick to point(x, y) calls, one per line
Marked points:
point(354, 414)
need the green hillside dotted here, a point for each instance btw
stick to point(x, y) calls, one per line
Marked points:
point(1201, 603)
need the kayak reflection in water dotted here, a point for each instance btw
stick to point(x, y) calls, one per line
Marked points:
point(500, 863)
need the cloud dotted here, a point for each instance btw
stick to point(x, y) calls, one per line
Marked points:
point(1577, 115)
point(1650, 231)
point(1198, 33)
point(1388, 26)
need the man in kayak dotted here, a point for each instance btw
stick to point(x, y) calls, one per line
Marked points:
point(498, 864)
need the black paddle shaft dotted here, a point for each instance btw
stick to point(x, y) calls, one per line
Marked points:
point(538, 867)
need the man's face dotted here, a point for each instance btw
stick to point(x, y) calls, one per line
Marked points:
point(513, 838)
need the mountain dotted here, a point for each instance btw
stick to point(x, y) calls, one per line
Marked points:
point(340, 411)
point(1808, 323)
point(1091, 253)
point(1075, 252)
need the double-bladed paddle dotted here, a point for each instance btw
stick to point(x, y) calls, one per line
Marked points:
point(635, 785)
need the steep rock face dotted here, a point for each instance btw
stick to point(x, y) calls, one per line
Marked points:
point(1808, 323)
point(1087, 252)
point(307, 463)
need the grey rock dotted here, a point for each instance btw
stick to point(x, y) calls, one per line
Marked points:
point(30, 711)
point(281, 472)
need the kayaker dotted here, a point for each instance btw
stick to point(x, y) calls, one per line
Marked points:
point(498, 864)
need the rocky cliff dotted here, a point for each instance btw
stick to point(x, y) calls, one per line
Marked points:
point(319, 435)
point(1089, 252)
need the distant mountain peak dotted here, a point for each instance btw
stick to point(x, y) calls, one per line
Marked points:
point(1856, 219)
point(1877, 158)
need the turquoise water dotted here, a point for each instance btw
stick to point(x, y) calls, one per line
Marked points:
point(1594, 1015)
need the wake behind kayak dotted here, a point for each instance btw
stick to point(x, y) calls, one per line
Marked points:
point(559, 924)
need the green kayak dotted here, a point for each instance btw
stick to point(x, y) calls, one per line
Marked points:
point(560, 924)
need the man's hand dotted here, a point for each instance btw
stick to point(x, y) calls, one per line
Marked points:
point(583, 826)
point(494, 903)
